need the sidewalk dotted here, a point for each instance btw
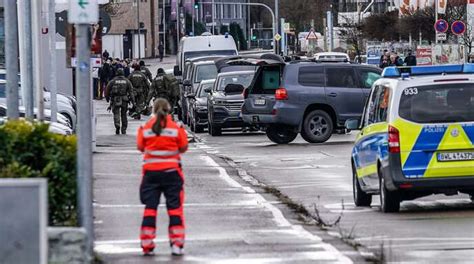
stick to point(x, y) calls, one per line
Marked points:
point(168, 63)
point(226, 220)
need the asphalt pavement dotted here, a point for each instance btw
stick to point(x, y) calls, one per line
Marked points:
point(434, 229)
point(228, 219)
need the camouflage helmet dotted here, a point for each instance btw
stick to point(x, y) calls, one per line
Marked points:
point(120, 72)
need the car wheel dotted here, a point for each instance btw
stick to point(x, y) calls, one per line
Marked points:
point(317, 127)
point(281, 134)
point(361, 198)
point(389, 200)
point(215, 130)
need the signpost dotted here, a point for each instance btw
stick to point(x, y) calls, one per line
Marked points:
point(83, 13)
point(441, 36)
point(458, 27)
point(277, 37)
point(441, 26)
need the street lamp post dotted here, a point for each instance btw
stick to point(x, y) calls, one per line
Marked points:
point(139, 30)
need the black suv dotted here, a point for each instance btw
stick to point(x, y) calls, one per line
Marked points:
point(311, 98)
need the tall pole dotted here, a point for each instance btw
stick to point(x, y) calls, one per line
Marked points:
point(213, 18)
point(26, 56)
point(276, 27)
point(164, 27)
point(139, 31)
point(436, 19)
point(11, 56)
point(192, 18)
point(84, 135)
point(53, 88)
point(83, 14)
point(178, 17)
point(35, 16)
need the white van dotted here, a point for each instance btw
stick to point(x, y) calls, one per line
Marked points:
point(203, 46)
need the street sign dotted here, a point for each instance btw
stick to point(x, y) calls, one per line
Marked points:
point(83, 12)
point(458, 27)
point(441, 26)
point(312, 35)
point(277, 37)
point(286, 27)
point(441, 36)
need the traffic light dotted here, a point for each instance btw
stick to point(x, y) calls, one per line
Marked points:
point(196, 5)
point(254, 37)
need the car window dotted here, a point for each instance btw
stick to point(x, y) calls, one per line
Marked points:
point(244, 79)
point(205, 72)
point(368, 78)
point(208, 53)
point(202, 92)
point(3, 111)
point(444, 103)
point(2, 90)
point(340, 77)
point(378, 106)
point(311, 76)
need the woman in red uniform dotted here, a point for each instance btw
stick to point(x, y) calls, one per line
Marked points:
point(161, 141)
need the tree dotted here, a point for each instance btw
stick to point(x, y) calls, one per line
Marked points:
point(199, 28)
point(381, 26)
point(352, 34)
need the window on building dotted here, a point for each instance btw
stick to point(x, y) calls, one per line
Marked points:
point(240, 11)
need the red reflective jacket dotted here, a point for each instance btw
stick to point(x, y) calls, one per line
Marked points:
point(162, 152)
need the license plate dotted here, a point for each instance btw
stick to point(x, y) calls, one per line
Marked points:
point(255, 119)
point(456, 156)
point(259, 102)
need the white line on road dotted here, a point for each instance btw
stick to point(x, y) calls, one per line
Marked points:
point(277, 214)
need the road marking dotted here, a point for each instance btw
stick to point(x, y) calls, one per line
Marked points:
point(277, 214)
point(251, 203)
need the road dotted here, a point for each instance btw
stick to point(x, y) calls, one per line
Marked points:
point(228, 220)
point(433, 229)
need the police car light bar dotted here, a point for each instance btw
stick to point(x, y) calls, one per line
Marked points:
point(395, 72)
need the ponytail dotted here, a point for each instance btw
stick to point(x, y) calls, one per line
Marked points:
point(161, 108)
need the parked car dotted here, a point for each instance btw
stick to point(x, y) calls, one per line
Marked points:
point(331, 57)
point(66, 104)
point(314, 99)
point(54, 127)
point(203, 46)
point(198, 106)
point(197, 69)
point(225, 100)
point(60, 118)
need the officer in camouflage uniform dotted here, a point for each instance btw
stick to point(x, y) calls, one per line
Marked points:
point(164, 86)
point(146, 71)
point(119, 94)
point(141, 88)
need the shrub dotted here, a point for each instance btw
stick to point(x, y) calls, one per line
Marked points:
point(29, 150)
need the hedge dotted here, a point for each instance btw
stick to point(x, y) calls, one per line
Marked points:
point(29, 150)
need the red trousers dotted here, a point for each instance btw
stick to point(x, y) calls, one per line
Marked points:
point(170, 183)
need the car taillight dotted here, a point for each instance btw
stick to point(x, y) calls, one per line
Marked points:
point(246, 93)
point(281, 94)
point(393, 140)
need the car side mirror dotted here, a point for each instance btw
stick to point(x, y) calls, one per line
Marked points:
point(352, 124)
point(176, 71)
point(187, 83)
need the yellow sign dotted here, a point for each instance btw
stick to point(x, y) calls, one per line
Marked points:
point(277, 37)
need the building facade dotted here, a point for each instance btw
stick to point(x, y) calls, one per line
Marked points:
point(133, 32)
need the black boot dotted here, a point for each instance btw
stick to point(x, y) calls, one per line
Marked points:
point(117, 131)
point(124, 132)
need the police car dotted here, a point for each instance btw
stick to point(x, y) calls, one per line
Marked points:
point(416, 136)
